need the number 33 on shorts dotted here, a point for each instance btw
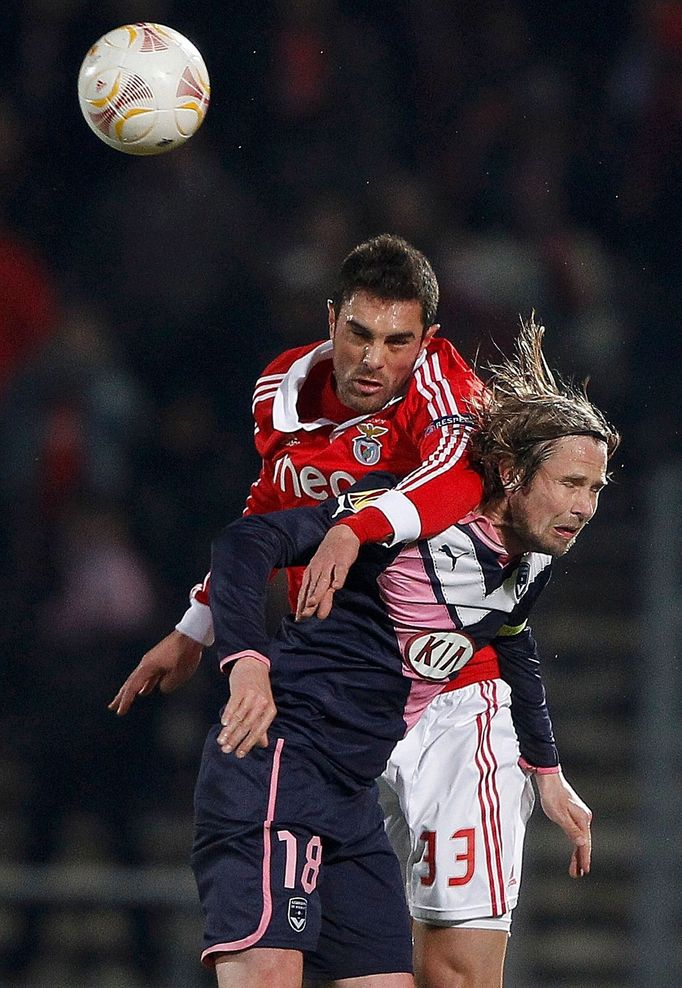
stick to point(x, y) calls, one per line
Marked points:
point(427, 865)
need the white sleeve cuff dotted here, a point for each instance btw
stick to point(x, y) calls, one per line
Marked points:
point(197, 623)
point(402, 515)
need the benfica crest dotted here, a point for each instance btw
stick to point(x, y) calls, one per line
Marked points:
point(366, 446)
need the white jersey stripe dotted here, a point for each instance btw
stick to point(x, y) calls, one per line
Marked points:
point(438, 463)
point(444, 383)
point(264, 396)
point(447, 447)
point(269, 377)
point(270, 383)
point(426, 391)
point(264, 392)
point(435, 388)
point(266, 389)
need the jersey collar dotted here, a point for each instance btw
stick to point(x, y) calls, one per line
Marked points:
point(284, 411)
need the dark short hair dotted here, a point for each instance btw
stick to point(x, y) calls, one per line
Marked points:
point(391, 269)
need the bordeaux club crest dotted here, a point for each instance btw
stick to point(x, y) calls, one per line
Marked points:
point(366, 446)
point(522, 578)
point(297, 914)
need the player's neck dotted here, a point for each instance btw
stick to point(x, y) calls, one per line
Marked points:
point(497, 514)
point(333, 407)
point(318, 398)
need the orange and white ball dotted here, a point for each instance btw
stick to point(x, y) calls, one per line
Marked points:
point(143, 88)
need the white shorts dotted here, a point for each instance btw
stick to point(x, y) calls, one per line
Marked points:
point(456, 805)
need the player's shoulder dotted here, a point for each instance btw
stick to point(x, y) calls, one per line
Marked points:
point(445, 360)
point(285, 360)
point(443, 382)
point(533, 573)
point(272, 379)
point(540, 564)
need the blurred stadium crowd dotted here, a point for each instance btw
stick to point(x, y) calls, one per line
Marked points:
point(529, 153)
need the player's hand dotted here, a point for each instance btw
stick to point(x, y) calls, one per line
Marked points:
point(250, 710)
point(563, 805)
point(168, 665)
point(326, 572)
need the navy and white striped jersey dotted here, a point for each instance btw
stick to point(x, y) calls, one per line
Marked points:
point(407, 621)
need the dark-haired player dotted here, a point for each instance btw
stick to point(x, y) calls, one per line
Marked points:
point(383, 392)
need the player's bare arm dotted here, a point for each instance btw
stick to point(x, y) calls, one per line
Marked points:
point(168, 665)
point(250, 710)
point(561, 804)
point(327, 572)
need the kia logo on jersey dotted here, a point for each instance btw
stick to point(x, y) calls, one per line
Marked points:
point(366, 446)
point(438, 654)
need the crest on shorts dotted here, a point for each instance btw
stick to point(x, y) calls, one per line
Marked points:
point(297, 914)
point(366, 446)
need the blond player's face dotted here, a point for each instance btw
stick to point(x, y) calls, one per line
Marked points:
point(376, 344)
point(549, 514)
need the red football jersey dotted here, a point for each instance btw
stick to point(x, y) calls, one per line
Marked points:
point(420, 436)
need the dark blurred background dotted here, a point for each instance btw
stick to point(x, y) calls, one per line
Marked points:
point(533, 152)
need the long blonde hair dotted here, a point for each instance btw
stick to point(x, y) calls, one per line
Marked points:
point(524, 409)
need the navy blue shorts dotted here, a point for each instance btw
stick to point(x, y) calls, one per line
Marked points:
point(286, 854)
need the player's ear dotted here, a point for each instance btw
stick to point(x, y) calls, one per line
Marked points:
point(509, 475)
point(331, 318)
point(429, 333)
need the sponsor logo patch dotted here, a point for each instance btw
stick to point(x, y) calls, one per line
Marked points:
point(357, 500)
point(449, 422)
point(447, 551)
point(436, 655)
point(297, 913)
point(309, 482)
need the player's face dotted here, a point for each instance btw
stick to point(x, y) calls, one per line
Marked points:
point(376, 343)
point(549, 514)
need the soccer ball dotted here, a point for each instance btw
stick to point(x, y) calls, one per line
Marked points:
point(143, 88)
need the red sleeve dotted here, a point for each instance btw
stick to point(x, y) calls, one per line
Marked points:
point(263, 495)
point(444, 487)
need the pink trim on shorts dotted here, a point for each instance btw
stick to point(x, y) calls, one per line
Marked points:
point(489, 799)
point(266, 915)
